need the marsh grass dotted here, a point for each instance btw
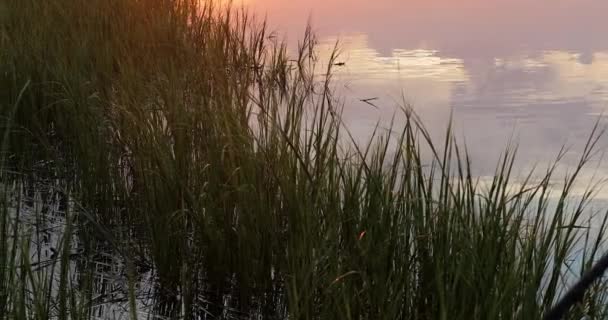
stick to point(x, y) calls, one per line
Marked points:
point(227, 162)
point(37, 277)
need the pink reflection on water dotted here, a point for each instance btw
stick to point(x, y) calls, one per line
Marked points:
point(464, 26)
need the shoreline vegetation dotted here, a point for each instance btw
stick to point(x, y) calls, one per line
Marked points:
point(171, 158)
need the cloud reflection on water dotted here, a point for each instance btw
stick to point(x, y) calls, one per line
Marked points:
point(533, 70)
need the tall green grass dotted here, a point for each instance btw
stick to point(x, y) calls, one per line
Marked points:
point(225, 159)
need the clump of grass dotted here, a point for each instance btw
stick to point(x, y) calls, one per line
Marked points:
point(227, 161)
point(38, 279)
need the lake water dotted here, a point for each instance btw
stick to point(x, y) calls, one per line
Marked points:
point(534, 70)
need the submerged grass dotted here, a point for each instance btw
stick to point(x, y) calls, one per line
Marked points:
point(200, 149)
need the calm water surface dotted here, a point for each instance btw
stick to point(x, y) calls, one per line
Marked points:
point(534, 70)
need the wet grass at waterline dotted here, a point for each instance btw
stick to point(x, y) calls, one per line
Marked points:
point(186, 142)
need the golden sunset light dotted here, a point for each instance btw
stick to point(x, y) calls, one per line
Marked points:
point(303, 159)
